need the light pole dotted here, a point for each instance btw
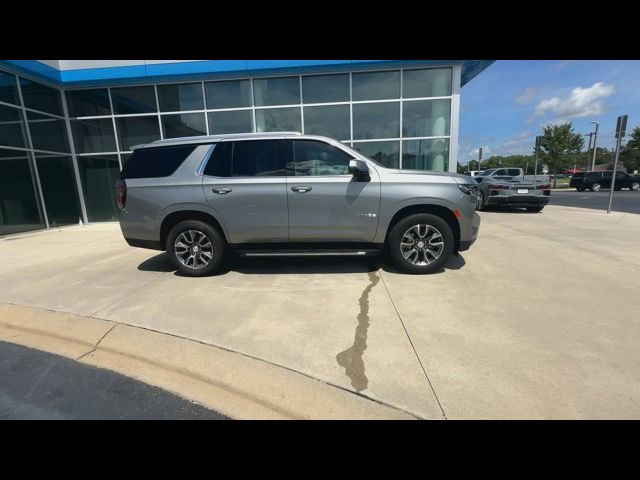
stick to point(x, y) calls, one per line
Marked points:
point(479, 157)
point(590, 135)
point(535, 170)
point(595, 140)
point(620, 131)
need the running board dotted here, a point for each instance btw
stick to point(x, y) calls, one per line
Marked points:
point(307, 253)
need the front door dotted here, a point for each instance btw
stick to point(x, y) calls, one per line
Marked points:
point(326, 203)
point(245, 185)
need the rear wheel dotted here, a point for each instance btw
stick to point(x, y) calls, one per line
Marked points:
point(595, 187)
point(635, 186)
point(534, 209)
point(420, 243)
point(580, 189)
point(195, 248)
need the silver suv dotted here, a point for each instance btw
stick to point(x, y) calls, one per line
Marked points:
point(284, 193)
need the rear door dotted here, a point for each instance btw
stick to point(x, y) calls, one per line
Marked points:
point(245, 184)
point(326, 204)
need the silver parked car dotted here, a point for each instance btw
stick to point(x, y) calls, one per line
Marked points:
point(509, 187)
point(285, 193)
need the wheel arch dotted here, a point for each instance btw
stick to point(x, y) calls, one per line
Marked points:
point(439, 210)
point(175, 217)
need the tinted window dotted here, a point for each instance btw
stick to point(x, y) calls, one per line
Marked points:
point(219, 163)
point(8, 89)
point(12, 131)
point(278, 119)
point(376, 120)
point(578, 175)
point(137, 130)
point(256, 158)
point(48, 133)
point(276, 91)
point(183, 125)
point(318, 158)
point(514, 172)
point(593, 175)
point(385, 153)
point(156, 162)
point(87, 103)
point(330, 121)
point(235, 121)
point(41, 97)
point(500, 173)
point(134, 99)
point(325, 88)
point(376, 85)
point(185, 96)
point(427, 83)
point(228, 94)
point(95, 135)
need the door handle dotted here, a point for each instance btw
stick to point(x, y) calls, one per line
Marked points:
point(221, 190)
point(301, 189)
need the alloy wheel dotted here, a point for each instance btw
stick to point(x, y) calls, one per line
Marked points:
point(422, 244)
point(193, 249)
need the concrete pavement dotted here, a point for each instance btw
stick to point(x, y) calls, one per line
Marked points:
point(537, 320)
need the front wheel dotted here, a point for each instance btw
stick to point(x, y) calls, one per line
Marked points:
point(595, 187)
point(420, 243)
point(635, 186)
point(195, 248)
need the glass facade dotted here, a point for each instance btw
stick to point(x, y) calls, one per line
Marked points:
point(64, 149)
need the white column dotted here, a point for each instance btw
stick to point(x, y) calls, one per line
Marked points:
point(455, 118)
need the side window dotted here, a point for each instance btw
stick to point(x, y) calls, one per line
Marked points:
point(314, 158)
point(514, 172)
point(621, 175)
point(257, 158)
point(156, 162)
point(219, 163)
point(500, 173)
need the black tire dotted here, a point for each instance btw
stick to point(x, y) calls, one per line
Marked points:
point(217, 241)
point(395, 236)
point(580, 189)
point(595, 187)
point(534, 209)
point(635, 186)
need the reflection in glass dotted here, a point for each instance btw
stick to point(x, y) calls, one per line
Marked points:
point(94, 135)
point(180, 96)
point(426, 118)
point(137, 130)
point(88, 103)
point(385, 153)
point(276, 91)
point(98, 175)
point(430, 154)
point(376, 120)
point(430, 82)
point(236, 121)
point(228, 94)
point(325, 88)
point(59, 189)
point(41, 97)
point(278, 119)
point(376, 85)
point(48, 133)
point(12, 132)
point(183, 125)
point(331, 121)
point(18, 204)
point(134, 99)
point(8, 89)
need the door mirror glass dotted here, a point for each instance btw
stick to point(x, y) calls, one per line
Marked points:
point(360, 170)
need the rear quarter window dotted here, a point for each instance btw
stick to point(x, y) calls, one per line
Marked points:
point(156, 162)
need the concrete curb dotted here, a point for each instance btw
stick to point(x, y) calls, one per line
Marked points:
point(238, 386)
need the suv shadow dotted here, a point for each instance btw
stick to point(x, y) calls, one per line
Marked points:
point(297, 265)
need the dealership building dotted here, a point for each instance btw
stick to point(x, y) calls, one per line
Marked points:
point(68, 126)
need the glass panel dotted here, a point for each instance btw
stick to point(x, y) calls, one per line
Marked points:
point(184, 96)
point(59, 189)
point(93, 135)
point(426, 118)
point(134, 99)
point(325, 88)
point(12, 132)
point(8, 89)
point(48, 133)
point(18, 204)
point(98, 175)
point(376, 120)
point(88, 103)
point(317, 158)
point(432, 82)
point(41, 97)
point(183, 125)
point(257, 158)
point(237, 121)
point(430, 154)
point(385, 153)
point(276, 91)
point(331, 121)
point(376, 85)
point(137, 130)
point(278, 120)
point(156, 162)
point(219, 163)
point(228, 94)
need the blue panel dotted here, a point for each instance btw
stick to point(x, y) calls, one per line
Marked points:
point(88, 74)
point(34, 67)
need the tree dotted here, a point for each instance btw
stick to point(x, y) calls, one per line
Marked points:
point(559, 147)
point(630, 155)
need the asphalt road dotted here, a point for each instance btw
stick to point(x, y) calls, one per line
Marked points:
point(623, 200)
point(35, 385)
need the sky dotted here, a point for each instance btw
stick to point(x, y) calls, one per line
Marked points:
point(505, 107)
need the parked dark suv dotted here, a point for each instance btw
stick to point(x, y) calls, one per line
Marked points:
point(577, 181)
point(595, 181)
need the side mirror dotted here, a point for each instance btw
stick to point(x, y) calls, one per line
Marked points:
point(359, 170)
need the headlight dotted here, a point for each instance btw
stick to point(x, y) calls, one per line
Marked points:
point(469, 188)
